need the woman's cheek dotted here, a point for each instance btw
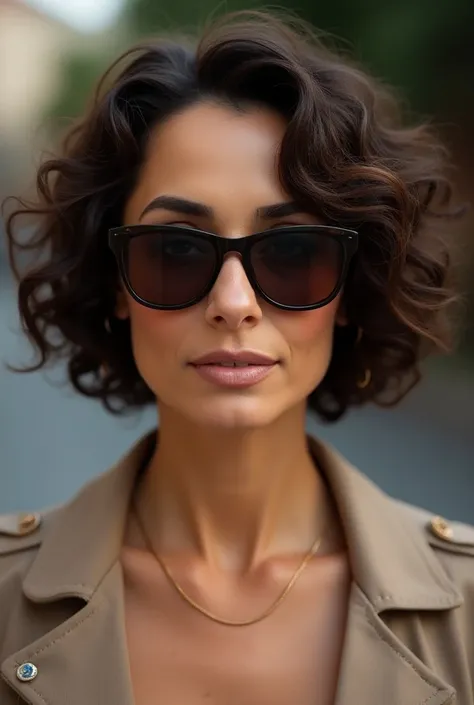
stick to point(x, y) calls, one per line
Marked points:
point(157, 328)
point(157, 340)
point(302, 328)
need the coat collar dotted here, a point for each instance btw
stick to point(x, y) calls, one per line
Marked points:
point(84, 539)
point(391, 561)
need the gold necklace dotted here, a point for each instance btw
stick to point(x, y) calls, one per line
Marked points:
point(229, 623)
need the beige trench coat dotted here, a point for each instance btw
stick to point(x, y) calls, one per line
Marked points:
point(410, 632)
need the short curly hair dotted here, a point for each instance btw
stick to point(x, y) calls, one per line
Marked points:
point(346, 155)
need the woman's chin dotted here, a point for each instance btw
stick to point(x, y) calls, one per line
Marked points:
point(237, 413)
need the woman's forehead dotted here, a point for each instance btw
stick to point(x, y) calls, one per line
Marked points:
point(210, 153)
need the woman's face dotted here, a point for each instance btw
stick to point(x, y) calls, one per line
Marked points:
point(227, 161)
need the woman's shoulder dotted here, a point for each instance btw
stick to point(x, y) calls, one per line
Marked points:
point(21, 535)
point(441, 533)
point(452, 541)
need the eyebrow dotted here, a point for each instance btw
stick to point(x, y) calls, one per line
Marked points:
point(278, 210)
point(178, 205)
point(200, 210)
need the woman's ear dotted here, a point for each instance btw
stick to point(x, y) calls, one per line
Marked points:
point(341, 315)
point(122, 310)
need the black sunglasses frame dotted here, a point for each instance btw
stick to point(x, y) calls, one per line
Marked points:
point(119, 238)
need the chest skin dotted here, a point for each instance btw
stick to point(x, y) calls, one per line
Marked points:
point(178, 656)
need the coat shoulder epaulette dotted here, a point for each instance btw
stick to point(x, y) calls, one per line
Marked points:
point(441, 533)
point(22, 530)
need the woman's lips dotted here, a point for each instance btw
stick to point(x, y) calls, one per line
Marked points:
point(240, 375)
point(234, 368)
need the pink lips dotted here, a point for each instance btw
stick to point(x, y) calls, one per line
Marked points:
point(234, 369)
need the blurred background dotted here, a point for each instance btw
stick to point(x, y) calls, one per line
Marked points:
point(51, 54)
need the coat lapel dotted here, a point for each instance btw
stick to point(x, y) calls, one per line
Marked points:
point(394, 572)
point(378, 669)
point(74, 590)
point(84, 661)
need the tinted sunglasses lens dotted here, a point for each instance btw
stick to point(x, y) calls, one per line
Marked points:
point(167, 268)
point(298, 269)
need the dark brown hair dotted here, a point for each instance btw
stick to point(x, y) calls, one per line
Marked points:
point(346, 156)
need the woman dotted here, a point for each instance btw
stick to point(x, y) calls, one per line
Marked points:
point(233, 233)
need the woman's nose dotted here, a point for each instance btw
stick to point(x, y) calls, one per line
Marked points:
point(232, 301)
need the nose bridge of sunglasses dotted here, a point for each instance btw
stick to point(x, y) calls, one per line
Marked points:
point(232, 251)
point(234, 245)
point(233, 248)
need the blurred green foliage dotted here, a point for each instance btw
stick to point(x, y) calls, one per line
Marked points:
point(425, 47)
point(79, 74)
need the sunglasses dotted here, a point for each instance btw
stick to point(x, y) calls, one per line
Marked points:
point(295, 268)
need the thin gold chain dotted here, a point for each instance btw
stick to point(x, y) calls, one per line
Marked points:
point(227, 622)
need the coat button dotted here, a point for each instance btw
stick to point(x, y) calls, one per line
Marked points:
point(441, 528)
point(26, 672)
point(27, 523)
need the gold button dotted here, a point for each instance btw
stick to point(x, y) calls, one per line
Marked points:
point(27, 523)
point(441, 529)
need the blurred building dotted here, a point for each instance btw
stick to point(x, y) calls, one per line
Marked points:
point(32, 47)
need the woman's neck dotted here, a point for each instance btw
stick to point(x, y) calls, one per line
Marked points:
point(233, 497)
